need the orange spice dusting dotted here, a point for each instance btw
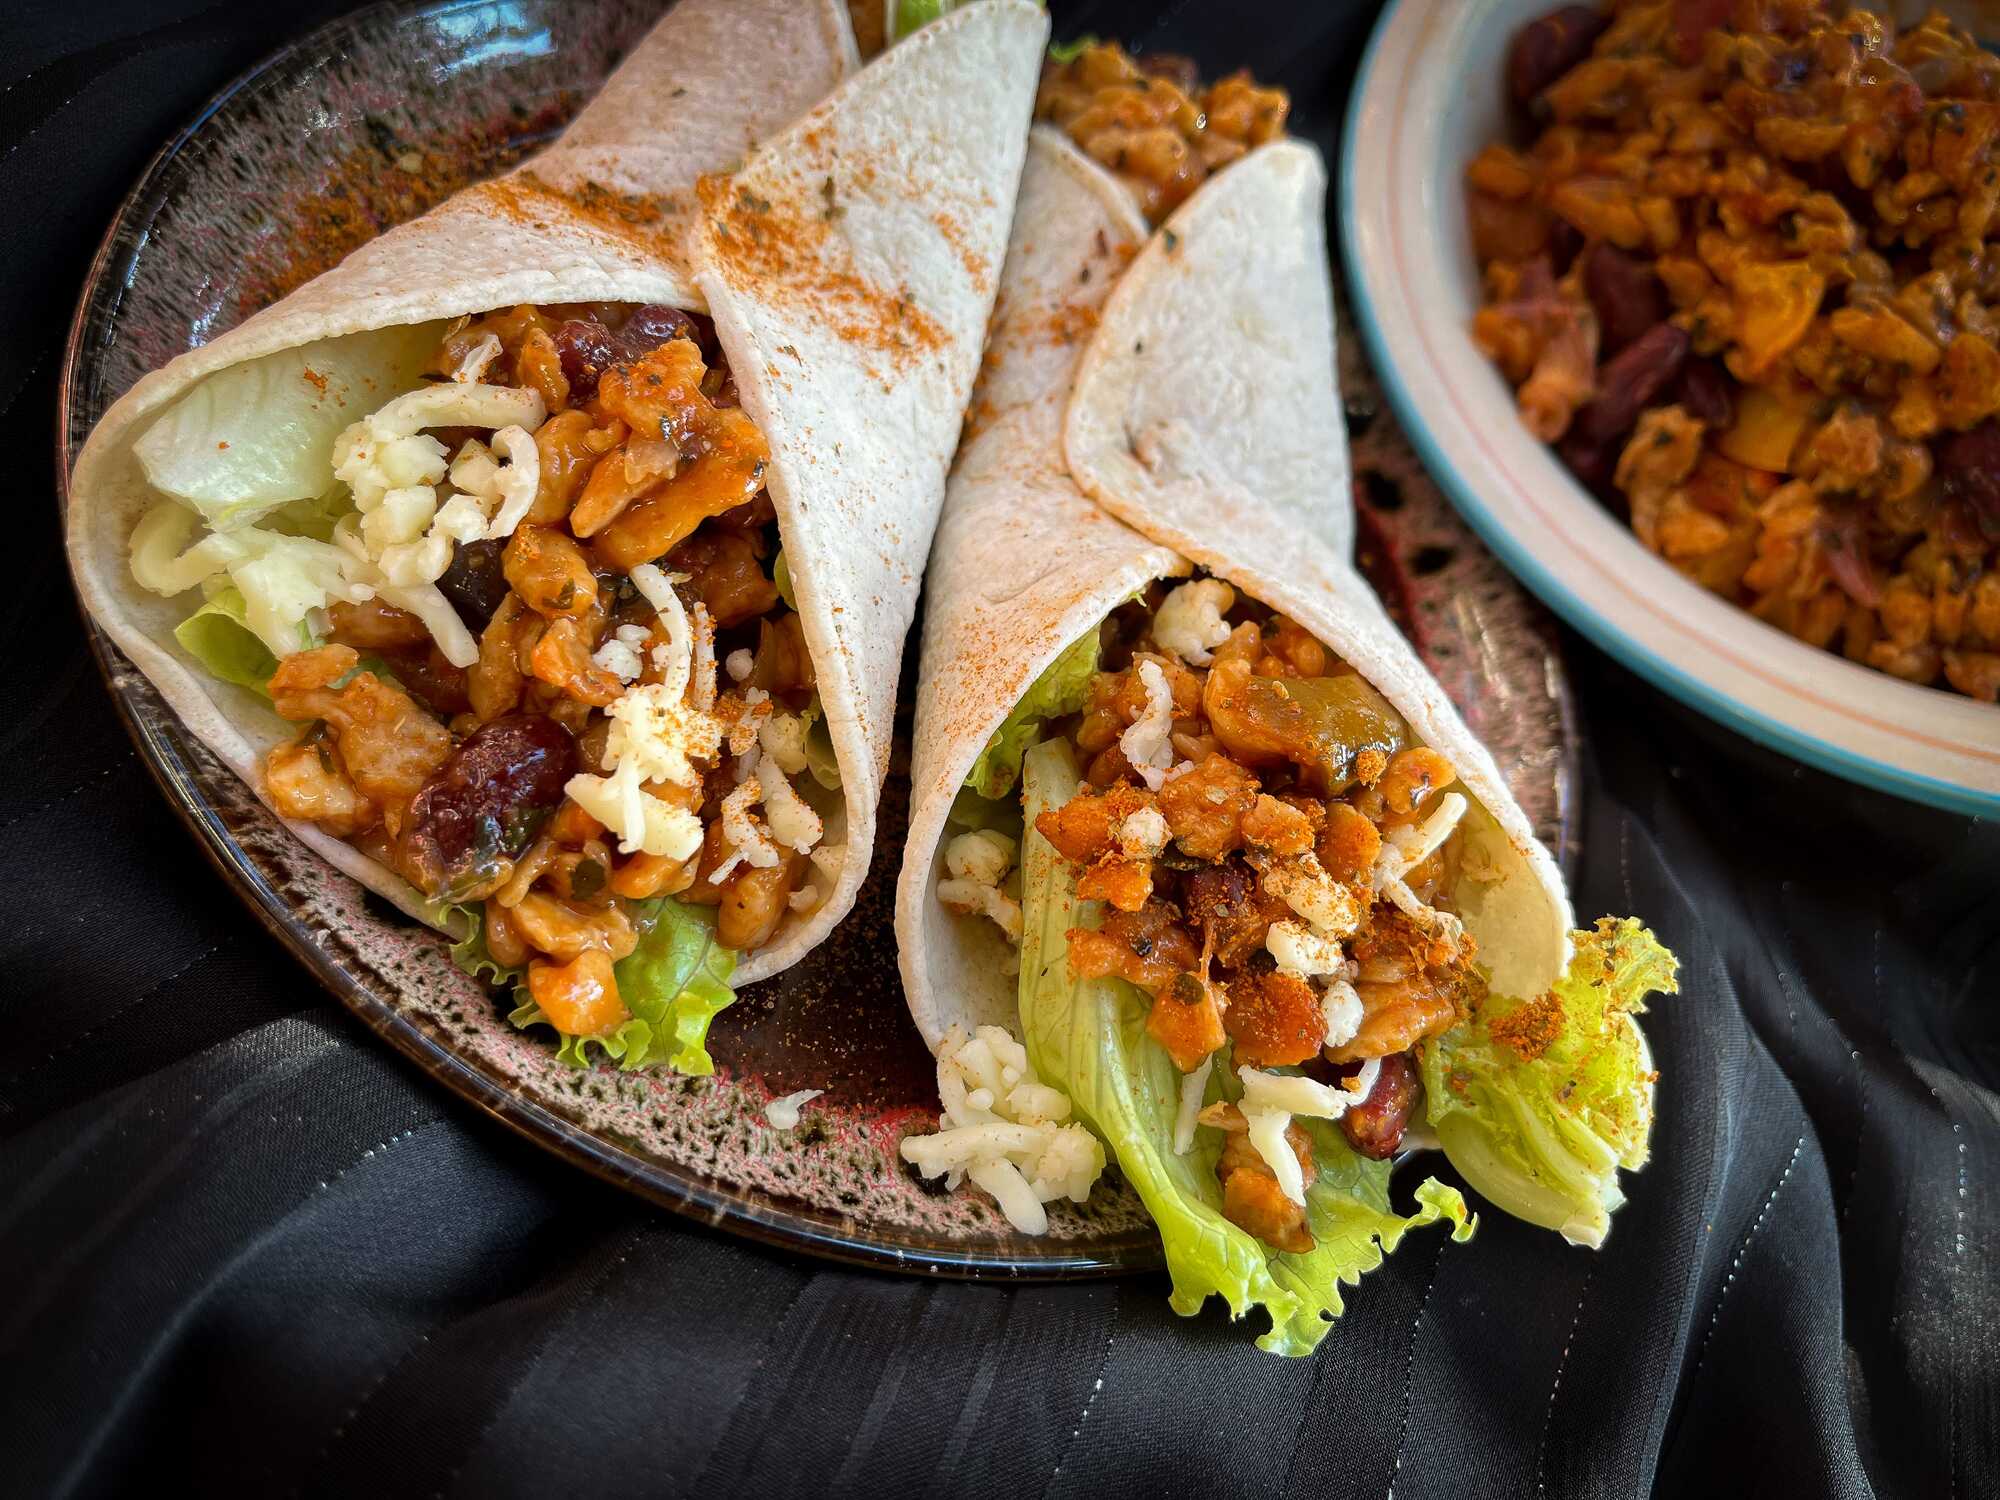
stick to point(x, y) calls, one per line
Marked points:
point(972, 260)
point(790, 245)
point(316, 380)
point(642, 218)
point(1529, 1029)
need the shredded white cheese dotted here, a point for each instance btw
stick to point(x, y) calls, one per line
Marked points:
point(701, 690)
point(782, 737)
point(978, 864)
point(792, 822)
point(1301, 951)
point(1005, 1130)
point(1189, 620)
point(1148, 740)
point(1142, 834)
point(472, 368)
point(783, 1112)
point(1271, 1100)
point(1193, 1086)
point(1327, 906)
point(1342, 1008)
point(1406, 848)
point(398, 540)
point(748, 843)
point(826, 861)
point(655, 736)
point(620, 653)
point(749, 725)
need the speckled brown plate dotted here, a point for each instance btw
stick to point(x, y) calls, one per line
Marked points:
point(367, 122)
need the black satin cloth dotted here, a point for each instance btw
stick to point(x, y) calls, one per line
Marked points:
point(246, 1250)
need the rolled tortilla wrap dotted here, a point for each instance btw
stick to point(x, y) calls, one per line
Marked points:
point(1197, 408)
point(609, 214)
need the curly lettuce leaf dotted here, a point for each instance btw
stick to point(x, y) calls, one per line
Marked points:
point(1070, 51)
point(219, 637)
point(1355, 1229)
point(1538, 1103)
point(1063, 688)
point(674, 983)
point(1089, 1039)
point(470, 952)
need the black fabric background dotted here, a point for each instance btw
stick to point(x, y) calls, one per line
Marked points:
point(246, 1249)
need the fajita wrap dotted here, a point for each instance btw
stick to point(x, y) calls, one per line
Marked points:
point(613, 476)
point(1208, 869)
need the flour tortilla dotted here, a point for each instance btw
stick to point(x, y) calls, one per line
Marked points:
point(1192, 417)
point(611, 213)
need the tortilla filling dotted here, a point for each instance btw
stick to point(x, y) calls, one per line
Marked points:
point(551, 674)
point(1274, 857)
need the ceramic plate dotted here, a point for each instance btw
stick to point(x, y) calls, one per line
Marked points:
point(1427, 99)
point(363, 124)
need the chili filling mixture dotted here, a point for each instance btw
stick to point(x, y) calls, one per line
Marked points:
point(1739, 265)
point(1150, 122)
point(576, 685)
point(1275, 856)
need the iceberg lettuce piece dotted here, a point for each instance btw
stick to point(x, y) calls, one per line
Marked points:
point(260, 434)
point(1089, 1039)
point(1063, 688)
point(1540, 1102)
point(217, 636)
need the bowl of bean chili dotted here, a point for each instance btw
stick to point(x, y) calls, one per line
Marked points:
point(1689, 305)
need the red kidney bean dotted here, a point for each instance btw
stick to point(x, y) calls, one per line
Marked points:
point(1565, 244)
point(1969, 464)
point(1594, 464)
point(1544, 50)
point(474, 583)
point(1375, 1127)
point(1705, 391)
point(431, 679)
point(1625, 294)
point(585, 347)
point(1630, 383)
point(588, 348)
point(484, 804)
point(1844, 545)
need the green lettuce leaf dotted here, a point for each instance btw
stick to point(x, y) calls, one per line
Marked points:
point(781, 580)
point(1538, 1103)
point(674, 983)
point(820, 759)
point(1089, 1040)
point(260, 434)
point(1063, 688)
point(470, 952)
point(907, 16)
point(217, 636)
point(1069, 52)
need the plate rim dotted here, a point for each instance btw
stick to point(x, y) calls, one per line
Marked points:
point(164, 755)
point(1541, 578)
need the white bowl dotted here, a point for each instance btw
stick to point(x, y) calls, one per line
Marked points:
point(1428, 97)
